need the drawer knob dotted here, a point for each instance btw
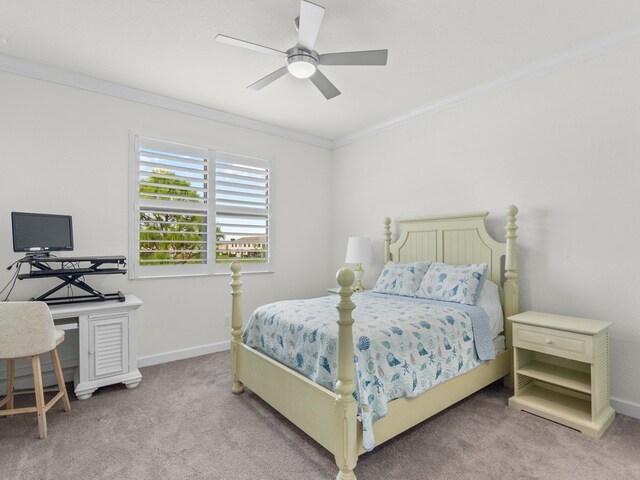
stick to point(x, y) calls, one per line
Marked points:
point(548, 341)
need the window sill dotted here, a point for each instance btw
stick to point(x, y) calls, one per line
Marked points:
point(184, 275)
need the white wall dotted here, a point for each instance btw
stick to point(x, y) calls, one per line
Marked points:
point(65, 150)
point(565, 149)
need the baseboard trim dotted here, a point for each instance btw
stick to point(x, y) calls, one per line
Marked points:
point(25, 381)
point(626, 407)
point(182, 354)
point(623, 407)
point(24, 377)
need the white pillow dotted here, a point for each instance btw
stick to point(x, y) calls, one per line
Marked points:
point(489, 300)
point(401, 278)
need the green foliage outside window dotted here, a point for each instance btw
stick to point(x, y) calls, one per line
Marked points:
point(171, 237)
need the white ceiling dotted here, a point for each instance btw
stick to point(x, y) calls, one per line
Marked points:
point(436, 48)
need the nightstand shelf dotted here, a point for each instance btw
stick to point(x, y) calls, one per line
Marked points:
point(565, 377)
point(561, 370)
point(554, 405)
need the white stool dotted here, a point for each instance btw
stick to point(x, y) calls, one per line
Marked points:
point(26, 331)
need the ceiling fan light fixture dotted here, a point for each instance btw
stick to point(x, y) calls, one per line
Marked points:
point(302, 66)
point(303, 59)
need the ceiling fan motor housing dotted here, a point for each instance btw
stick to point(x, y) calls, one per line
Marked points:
point(301, 63)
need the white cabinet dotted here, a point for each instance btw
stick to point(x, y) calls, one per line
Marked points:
point(561, 370)
point(107, 343)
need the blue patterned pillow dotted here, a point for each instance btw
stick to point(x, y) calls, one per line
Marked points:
point(453, 283)
point(401, 278)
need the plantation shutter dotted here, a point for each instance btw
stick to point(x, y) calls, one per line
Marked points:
point(242, 212)
point(172, 224)
point(196, 210)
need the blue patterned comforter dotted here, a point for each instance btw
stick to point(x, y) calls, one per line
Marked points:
point(403, 346)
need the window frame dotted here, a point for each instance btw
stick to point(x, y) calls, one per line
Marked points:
point(212, 267)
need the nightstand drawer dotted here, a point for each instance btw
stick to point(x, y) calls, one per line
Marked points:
point(554, 342)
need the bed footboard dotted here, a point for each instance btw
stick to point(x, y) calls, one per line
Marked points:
point(292, 394)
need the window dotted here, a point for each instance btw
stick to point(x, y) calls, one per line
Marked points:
point(182, 195)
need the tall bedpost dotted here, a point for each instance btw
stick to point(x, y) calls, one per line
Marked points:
point(511, 288)
point(236, 325)
point(387, 239)
point(346, 452)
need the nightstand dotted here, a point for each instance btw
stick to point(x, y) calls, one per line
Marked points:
point(561, 370)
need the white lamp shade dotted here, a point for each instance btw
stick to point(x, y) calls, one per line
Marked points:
point(359, 250)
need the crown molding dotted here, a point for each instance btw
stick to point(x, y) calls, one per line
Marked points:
point(531, 71)
point(524, 74)
point(64, 77)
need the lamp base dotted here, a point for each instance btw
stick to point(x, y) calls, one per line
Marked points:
point(358, 272)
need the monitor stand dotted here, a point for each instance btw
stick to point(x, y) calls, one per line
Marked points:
point(39, 267)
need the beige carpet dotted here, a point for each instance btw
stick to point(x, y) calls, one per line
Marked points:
point(183, 422)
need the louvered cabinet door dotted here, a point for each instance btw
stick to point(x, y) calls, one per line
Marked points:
point(108, 345)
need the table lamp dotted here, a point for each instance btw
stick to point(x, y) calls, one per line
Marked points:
point(359, 252)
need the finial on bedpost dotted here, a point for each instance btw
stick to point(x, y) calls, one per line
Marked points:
point(387, 239)
point(236, 324)
point(346, 452)
point(345, 278)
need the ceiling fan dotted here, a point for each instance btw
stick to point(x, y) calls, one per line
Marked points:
point(302, 59)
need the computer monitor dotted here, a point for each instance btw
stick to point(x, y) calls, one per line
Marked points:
point(39, 233)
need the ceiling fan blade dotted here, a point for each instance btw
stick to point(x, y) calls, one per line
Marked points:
point(323, 84)
point(272, 77)
point(367, 57)
point(310, 21)
point(250, 46)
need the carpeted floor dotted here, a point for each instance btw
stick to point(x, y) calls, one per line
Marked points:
point(183, 422)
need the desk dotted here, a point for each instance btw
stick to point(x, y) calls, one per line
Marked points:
point(106, 341)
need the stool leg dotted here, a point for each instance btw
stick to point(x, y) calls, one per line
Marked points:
point(37, 382)
point(60, 378)
point(10, 377)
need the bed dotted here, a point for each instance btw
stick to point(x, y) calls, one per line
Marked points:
point(335, 422)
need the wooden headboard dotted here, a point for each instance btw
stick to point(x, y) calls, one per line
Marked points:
point(461, 239)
